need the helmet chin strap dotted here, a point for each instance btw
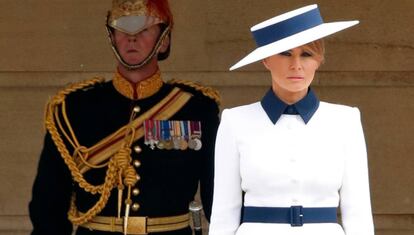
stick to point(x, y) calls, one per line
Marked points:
point(153, 52)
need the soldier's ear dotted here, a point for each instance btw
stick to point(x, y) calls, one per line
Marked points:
point(165, 44)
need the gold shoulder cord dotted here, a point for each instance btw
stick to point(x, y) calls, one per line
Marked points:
point(207, 91)
point(118, 166)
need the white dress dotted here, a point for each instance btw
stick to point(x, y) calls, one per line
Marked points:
point(319, 164)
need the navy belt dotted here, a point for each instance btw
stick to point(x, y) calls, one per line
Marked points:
point(294, 215)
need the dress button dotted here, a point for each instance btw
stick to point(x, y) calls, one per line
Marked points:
point(138, 177)
point(137, 149)
point(135, 206)
point(137, 109)
point(137, 163)
point(135, 192)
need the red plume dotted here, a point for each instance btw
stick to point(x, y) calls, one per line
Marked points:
point(162, 7)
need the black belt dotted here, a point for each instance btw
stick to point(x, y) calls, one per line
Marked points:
point(294, 215)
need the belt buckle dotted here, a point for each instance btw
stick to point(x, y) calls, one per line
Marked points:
point(137, 225)
point(296, 216)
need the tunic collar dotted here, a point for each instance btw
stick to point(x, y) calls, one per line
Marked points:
point(275, 107)
point(140, 90)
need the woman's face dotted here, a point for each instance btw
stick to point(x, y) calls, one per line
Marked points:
point(292, 71)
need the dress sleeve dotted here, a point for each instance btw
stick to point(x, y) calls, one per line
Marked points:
point(227, 199)
point(51, 193)
point(354, 193)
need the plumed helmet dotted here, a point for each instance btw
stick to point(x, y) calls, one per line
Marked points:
point(133, 16)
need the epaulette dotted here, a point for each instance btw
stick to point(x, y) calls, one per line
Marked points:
point(61, 95)
point(85, 84)
point(207, 91)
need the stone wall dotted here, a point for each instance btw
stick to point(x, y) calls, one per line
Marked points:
point(46, 44)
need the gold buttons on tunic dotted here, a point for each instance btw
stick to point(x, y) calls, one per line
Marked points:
point(137, 163)
point(137, 109)
point(138, 177)
point(137, 149)
point(135, 192)
point(135, 206)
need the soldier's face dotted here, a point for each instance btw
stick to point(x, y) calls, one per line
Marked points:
point(292, 71)
point(135, 48)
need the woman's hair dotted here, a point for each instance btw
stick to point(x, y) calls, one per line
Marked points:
point(317, 48)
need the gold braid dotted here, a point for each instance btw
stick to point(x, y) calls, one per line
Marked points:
point(207, 91)
point(117, 166)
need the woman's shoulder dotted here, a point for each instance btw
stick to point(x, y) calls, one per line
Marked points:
point(338, 110)
point(337, 107)
point(241, 113)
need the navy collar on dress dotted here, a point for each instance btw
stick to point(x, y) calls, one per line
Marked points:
point(275, 107)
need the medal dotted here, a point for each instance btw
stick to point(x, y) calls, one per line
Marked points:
point(184, 136)
point(176, 143)
point(169, 145)
point(149, 133)
point(161, 144)
point(146, 142)
point(198, 144)
point(177, 135)
point(169, 133)
point(157, 131)
point(191, 144)
point(152, 141)
point(163, 134)
point(195, 135)
point(183, 144)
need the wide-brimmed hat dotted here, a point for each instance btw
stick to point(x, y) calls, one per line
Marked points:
point(289, 30)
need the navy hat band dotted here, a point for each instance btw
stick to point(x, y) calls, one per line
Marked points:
point(286, 28)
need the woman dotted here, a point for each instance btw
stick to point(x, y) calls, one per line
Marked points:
point(284, 164)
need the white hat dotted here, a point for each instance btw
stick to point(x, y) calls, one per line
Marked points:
point(289, 30)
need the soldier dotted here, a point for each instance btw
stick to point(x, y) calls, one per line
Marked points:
point(127, 155)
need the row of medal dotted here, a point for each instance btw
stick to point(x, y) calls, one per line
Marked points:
point(173, 134)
